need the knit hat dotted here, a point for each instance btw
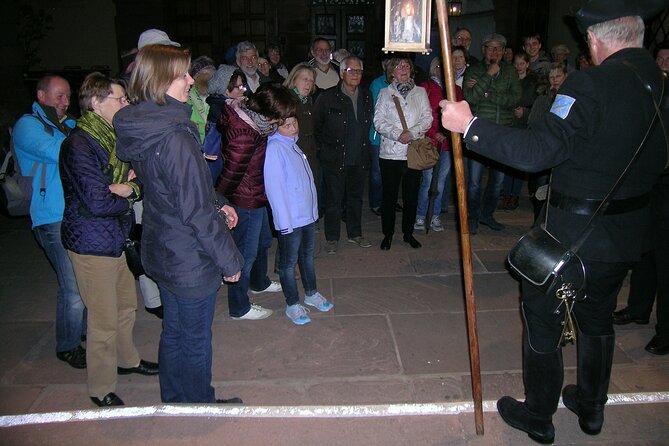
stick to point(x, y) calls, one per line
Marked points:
point(200, 64)
point(218, 83)
point(598, 11)
point(154, 37)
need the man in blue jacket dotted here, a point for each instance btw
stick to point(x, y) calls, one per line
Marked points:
point(37, 138)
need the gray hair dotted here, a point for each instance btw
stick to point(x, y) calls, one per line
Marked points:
point(494, 37)
point(435, 67)
point(344, 63)
point(243, 47)
point(624, 30)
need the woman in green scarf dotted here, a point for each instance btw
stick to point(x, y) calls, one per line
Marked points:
point(99, 192)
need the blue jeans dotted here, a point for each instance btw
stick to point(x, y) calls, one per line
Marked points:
point(297, 248)
point(70, 309)
point(375, 187)
point(253, 239)
point(513, 182)
point(482, 208)
point(185, 353)
point(423, 198)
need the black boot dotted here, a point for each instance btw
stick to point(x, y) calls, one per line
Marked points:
point(542, 376)
point(587, 399)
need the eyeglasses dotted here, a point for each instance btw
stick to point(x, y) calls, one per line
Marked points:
point(263, 64)
point(494, 49)
point(356, 71)
point(246, 59)
point(240, 87)
point(403, 66)
point(463, 39)
point(120, 99)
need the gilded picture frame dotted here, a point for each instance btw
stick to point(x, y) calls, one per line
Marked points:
point(407, 26)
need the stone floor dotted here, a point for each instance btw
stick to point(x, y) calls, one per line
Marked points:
point(397, 335)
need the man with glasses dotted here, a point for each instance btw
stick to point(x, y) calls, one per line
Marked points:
point(493, 90)
point(342, 118)
point(247, 60)
point(327, 69)
point(463, 37)
point(37, 138)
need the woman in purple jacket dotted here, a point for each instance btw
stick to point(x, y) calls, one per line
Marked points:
point(99, 192)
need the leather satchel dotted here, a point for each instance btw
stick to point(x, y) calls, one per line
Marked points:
point(422, 153)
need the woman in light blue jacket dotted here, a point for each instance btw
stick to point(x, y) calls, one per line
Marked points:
point(290, 189)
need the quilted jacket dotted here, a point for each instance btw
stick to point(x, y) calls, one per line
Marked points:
point(242, 181)
point(95, 221)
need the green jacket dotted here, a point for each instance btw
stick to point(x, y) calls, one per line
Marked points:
point(492, 98)
point(200, 111)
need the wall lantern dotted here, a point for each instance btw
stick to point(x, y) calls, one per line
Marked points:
point(408, 25)
point(454, 8)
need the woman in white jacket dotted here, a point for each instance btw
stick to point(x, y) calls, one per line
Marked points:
point(394, 143)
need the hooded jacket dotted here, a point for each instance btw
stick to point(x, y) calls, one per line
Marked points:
point(186, 245)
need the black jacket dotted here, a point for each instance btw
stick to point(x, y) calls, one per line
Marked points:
point(333, 119)
point(596, 124)
point(186, 246)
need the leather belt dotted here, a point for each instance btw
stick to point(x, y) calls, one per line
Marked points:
point(588, 206)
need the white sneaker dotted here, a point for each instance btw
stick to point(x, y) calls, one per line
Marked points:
point(419, 225)
point(274, 287)
point(437, 225)
point(255, 313)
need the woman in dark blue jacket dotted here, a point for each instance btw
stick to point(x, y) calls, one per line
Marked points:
point(99, 191)
point(186, 243)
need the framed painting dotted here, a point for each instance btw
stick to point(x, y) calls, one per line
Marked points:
point(408, 25)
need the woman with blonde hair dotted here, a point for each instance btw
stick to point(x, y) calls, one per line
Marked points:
point(415, 106)
point(301, 81)
point(187, 244)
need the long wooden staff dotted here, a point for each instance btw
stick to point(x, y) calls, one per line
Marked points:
point(456, 148)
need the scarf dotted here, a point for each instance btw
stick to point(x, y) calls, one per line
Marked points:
point(265, 127)
point(303, 99)
point(116, 170)
point(405, 87)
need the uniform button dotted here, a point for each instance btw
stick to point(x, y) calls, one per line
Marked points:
point(475, 138)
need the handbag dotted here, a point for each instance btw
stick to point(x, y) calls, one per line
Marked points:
point(543, 261)
point(422, 153)
point(132, 247)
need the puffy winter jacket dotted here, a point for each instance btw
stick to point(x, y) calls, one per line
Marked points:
point(186, 245)
point(243, 146)
point(95, 221)
point(417, 112)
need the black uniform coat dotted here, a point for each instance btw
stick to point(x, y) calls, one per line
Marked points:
point(596, 124)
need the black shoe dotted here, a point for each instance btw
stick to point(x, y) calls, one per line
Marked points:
point(658, 346)
point(412, 241)
point(157, 311)
point(517, 415)
point(387, 241)
point(376, 211)
point(75, 357)
point(146, 368)
point(492, 224)
point(234, 400)
point(624, 317)
point(110, 399)
point(590, 420)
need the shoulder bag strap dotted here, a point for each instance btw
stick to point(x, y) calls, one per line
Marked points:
point(396, 100)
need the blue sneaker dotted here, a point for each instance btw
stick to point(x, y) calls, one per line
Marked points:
point(317, 300)
point(298, 314)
